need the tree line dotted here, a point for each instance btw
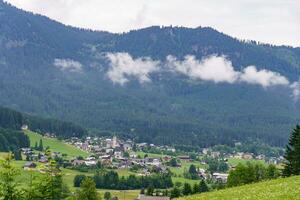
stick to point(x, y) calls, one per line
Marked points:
point(178, 190)
point(111, 180)
point(12, 140)
point(11, 119)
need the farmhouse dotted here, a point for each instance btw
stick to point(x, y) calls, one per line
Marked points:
point(220, 177)
point(29, 165)
point(185, 158)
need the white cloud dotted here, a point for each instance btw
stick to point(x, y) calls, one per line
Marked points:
point(263, 77)
point(68, 65)
point(295, 90)
point(213, 68)
point(122, 66)
point(219, 69)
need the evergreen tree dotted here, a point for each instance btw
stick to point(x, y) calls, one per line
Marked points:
point(195, 188)
point(175, 192)
point(272, 172)
point(192, 169)
point(203, 186)
point(192, 173)
point(41, 147)
point(27, 157)
point(173, 162)
point(17, 154)
point(187, 189)
point(292, 154)
point(9, 189)
point(78, 180)
point(36, 146)
point(88, 190)
point(150, 190)
point(107, 196)
point(50, 186)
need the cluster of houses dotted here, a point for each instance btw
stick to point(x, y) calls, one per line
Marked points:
point(33, 159)
point(244, 155)
point(114, 153)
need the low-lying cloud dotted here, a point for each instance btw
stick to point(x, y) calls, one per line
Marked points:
point(68, 65)
point(296, 90)
point(263, 77)
point(123, 66)
point(216, 69)
point(219, 69)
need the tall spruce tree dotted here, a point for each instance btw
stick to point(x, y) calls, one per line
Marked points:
point(88, 190)
point(41, 147)
point(36, 146)
point(17, 154)
point(187, 189)
point(203, 186)
point(292, 154)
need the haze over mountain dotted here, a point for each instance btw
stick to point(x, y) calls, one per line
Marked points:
point(167, 85)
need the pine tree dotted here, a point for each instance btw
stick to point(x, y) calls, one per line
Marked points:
point(107, 196)
point(50, 186)
point(203, 187)
point(175, 192)
point(187, 189)
point(36, 146)
point(17, 154)
point(150, 190)
point(9, 188)
point(41, 147)
point(195, 188)
point(88, 190)
point(292, 154)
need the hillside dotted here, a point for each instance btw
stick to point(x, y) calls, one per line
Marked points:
point(56, 71)
point(13, 138)
point(55, 145)
point(287, 188)
point(11, 119)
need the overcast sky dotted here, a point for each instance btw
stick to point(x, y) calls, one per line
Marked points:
point(271, 21)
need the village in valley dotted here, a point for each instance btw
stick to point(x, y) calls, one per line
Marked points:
point(142, 159)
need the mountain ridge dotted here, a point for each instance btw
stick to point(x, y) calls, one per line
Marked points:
point(58, 71)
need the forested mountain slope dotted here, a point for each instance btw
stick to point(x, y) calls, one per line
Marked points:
point(51, 70)
point(11, 119)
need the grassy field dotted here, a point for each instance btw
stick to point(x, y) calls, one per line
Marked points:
point(122, 195)
point(55, 145)
point(236, 161)
point(279, 189)
point(152, 155)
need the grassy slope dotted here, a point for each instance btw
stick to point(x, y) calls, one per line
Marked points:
point(279, 189)
point(55, 145)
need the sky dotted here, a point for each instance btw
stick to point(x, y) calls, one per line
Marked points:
point(268, 21)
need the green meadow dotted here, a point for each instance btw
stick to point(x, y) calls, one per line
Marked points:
point(55, 145)
point(279, 189)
